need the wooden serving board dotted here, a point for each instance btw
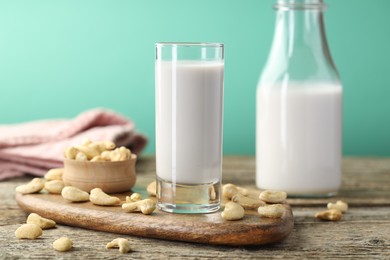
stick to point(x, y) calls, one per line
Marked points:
point(200, 228)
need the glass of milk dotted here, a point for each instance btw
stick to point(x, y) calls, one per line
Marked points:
point(189, 109)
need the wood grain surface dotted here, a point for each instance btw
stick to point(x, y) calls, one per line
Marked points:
point(362, 233)
point(199, 228)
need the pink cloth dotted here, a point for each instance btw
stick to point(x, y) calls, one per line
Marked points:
point(35, 147)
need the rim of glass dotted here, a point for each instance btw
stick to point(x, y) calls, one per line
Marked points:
point(187, 44)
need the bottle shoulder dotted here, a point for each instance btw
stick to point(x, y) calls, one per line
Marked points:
point(287, 73)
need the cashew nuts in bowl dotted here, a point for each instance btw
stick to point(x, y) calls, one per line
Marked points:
point(99, 165)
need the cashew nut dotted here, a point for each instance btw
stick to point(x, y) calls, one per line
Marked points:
point(120, 154)
point(70, 152)
point(43, 223)
point(233, 211)
point(212, 193)
point(331, 214)
point(229, 190)
point(97, 158)
point(123, 150)
point(247, 202)
point(54, 174)
point(106, 155)
point(74, 194)
point(102, 146)
point(146, 206)
point(122, 243)
point(133, 198)
point(89, 151)
point(63, 244)
point(99, 197)
point(243, 191)
point(86, 142)
point(115, 155)
point(54, 186)
point(151, 189)
point(80, 156)
point(273, 196)
point(340, 205)
point(34, 186)
point(29, 231)
point(271, 211)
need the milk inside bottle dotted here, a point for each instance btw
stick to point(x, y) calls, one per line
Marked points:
point(299, 138)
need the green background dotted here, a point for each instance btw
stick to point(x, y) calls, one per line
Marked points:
point(58, 58)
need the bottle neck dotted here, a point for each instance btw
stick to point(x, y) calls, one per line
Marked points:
point(300, 30)
point(300, 47)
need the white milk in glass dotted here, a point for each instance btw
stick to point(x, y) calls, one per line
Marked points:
point(299, 138)
point(189, 103)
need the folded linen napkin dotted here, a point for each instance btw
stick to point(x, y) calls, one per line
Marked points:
point(35, 147)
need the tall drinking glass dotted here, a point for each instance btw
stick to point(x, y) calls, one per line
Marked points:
point(189, 109)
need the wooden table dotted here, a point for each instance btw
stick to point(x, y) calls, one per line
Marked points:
point(363, 232)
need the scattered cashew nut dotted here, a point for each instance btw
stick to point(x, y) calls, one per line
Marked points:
point(331, 214)
point(229, 190)
point(243, 191)
point(74, 194)
point(29, 231)
point(271, 211)
point(273, 196)
point(54, 174)
point(151, 188)
point(340, 205)
point(233, 211)
point(43, 223)
point(146, 206)
point(63, 244)
point(212, 193)
point(34, 186)
point(133, 198)
point(99, 197)
point(122, 243)
point(54, 186)
point(247, 202)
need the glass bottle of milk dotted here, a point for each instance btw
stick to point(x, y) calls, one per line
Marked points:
point(299, 106)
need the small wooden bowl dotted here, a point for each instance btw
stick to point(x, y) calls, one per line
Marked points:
point(111, 177)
